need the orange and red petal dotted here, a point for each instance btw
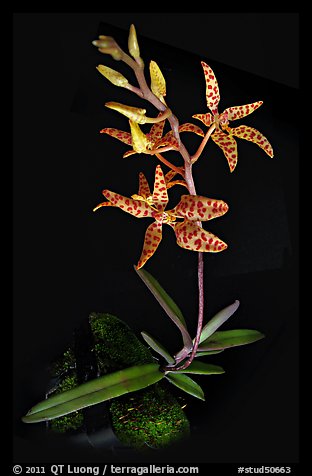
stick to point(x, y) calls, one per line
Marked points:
point(237, 112)
point(152, 239)
point(144, 190)
point(169, 175)
point(129, 152)
point(160, 195)
point(189, 127)
point(103, 204)
point(192, 237)
point(117, 134)
point(212, 89)
point(156, 131)
point(137, 208)
point(176, 182)
point(253, 135)
point(196, 207)
point(228, 145)
point(207, 118)
point(168, 139)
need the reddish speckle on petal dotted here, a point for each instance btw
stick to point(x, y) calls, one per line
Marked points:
point(198, 244)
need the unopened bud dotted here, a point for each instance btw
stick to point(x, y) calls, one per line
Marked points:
point(158, 83)
point(134, 113)
point(107, 45)
point(113, 76)
point(133, 44)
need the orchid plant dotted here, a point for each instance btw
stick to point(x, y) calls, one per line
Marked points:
point(186, 220)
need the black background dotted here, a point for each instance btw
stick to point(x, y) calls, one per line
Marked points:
point(69, 262)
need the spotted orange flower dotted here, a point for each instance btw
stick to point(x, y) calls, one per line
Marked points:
point(153, 140)
point(224, 140)
point(191, 209)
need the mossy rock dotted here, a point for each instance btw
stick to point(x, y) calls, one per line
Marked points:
point(151, 417)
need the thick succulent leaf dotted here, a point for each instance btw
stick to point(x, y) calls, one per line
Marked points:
point(212, 89)
point(237, 112)
point(159, 348)
point(189, 127)
point(192, 237)
point(232, 338)
point(204, 353)
point(196, 207)
point(228, 145)
point(217, 320)
point(158, 83)
point(248, 133)
point(152, 239)
point(137, 208)
point(113, 76)
point(95, 391)
point(144, 190)
point(185, 383)
point(136, 114)
point(207, 118)
point(197, 367)
point(139, 139)
point(167, 304)
point(117, 134)
point(156, 131)
point(160, 195)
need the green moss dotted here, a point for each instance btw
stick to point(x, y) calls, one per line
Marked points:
point(116, 345)
point(149, 418)
point(72, 421)
point(64, 363)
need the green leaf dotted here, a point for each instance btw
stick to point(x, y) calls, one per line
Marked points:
point(95, 391)
point(232, 338)
point(185, 383)
point(218, 320)
point(208, 352)
point(201, 368)
point(159, 348)
point(167, 304)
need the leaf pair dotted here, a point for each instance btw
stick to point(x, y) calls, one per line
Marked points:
point(95, 391)
point(211, 342)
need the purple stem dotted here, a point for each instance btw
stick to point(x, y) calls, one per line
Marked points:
point(147, 94)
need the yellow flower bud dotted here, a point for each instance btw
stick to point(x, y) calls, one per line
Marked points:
point(107, 45)
point(133, 44)
point(158, 83)
point(113, 76)
point(134, 113)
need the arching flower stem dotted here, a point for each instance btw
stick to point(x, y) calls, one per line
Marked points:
point(202, 145)
point(162, 159)
point(148, 95)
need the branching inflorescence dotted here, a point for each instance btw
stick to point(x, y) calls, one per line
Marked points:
point(186, 220)
point(192, 208)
